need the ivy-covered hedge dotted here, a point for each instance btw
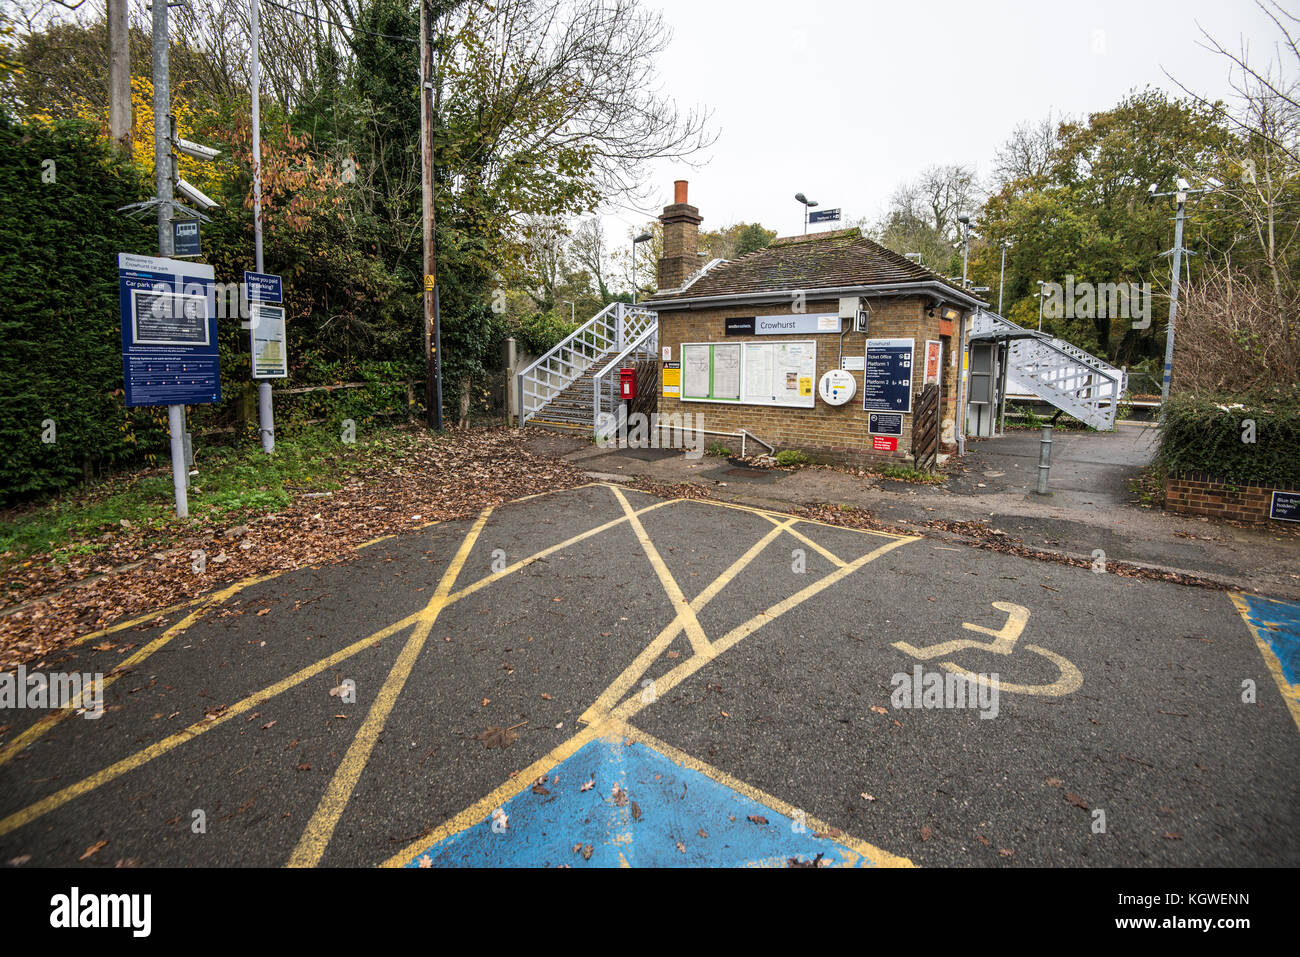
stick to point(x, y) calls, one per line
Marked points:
point(60, 352)
point(1231, 438)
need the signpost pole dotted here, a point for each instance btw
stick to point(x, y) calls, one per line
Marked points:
point(265, 413)
point(162, 156)
point(1181, 199)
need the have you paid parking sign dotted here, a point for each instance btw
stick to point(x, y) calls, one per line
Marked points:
point(169, 331)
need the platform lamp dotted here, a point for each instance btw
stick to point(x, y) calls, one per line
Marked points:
point(807, 205)
point(643, 238)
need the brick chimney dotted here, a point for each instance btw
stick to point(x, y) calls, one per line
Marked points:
point(681, 239)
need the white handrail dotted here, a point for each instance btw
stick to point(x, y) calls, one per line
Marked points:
point(649, 331)
point(553, 372)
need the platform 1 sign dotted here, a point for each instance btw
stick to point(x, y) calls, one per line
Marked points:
point(1285, 507)
point(169, 331)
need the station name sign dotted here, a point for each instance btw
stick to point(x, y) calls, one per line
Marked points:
point(792, 325)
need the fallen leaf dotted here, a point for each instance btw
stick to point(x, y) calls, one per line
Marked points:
point(983, 840)
point(636, 811)
point(1053, 782)
point(926, 833)
point(588, 786)
point(681, 847)
point(304, 766)
point(1076, 800)
point(497, 737)
point(545, 696)
point(1006, 852)
point(264, 611)
point(867, 797)
point(1173, 836)
point(268, 725)
point(878, 709)
point(587, 851)
point(93, 849)
point(757, 819)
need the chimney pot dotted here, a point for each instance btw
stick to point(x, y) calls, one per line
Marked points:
point(679, 191)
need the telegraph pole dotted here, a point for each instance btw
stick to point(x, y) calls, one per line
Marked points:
point(961, 341)
point(1181, 198)
point(162, 162)
point(432, 325)
point(265, 413)
point(119, 76)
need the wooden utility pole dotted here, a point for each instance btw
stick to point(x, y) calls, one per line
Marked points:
point(432, 330)
point(119, 76)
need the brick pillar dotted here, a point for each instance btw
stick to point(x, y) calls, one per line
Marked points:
point(681, 239)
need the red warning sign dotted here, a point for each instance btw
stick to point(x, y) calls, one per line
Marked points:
point(884, 443)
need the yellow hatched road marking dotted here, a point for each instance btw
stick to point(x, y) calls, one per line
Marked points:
point(147, 754)
point(614, 693)
point(48, 721)
point(316, 837)
point(686, 614)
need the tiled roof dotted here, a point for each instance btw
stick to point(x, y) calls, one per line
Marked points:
point(841, 257)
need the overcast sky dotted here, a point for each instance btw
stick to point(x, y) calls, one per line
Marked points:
point(845, 99)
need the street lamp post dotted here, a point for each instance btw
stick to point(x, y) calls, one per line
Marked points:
point(1002, 273)
point(1040, 304)
point(961, 341)
point(807, 205)
point(643, 238)
point(573, 310)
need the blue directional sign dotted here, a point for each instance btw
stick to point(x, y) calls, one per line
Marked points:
point(887, 385)
point(169, 331)
point(263, 287)
point(824, 216)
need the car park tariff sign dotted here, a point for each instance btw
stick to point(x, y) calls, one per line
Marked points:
point(169, 331)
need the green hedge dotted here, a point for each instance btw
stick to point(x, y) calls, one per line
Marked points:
point(1211, 434)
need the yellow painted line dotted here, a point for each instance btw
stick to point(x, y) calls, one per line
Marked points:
point(1290, 692)
point(876, 855)
point(548, 551)
point(497, 797)
point(316, 837)
point(635, 704)
point(820, 550)
point(628, 679)
point(134, 621)
point(145, 755)
point(805, 521)
point(699, 641)
point(48, 721)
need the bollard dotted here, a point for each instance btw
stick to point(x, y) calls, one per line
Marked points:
point(1044, 460)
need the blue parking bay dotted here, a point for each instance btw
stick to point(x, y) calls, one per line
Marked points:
point(620, 803)
point(1276, 627)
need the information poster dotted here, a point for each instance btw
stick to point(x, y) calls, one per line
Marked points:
point(696, 360)
point(933, 360)
point(169, 331)
point(755, 373)
point(267, 330)
point(726, 373)
point(670, 379)
point(887, 385)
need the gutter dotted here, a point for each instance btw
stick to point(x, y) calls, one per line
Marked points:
point(940, 290)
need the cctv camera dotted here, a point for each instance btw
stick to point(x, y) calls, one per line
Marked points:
point(195, 195)
point(1183, 185)
point(1151, 190)
point(197, 150)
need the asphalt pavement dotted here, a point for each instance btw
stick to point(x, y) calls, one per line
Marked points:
point(600, 677)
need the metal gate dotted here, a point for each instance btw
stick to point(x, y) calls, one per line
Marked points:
point(925, 428)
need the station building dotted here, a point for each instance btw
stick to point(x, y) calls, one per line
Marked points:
point(746, 345)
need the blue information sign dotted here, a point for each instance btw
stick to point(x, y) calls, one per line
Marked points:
point(185, 238)
point(887, 380)
point(263, 287)
point(824, 216)
point(169, 331)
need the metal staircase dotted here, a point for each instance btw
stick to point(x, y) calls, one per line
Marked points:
point(574, 384)
point(1055, 371)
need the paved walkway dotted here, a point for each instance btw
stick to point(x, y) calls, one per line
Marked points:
point(1092, 506)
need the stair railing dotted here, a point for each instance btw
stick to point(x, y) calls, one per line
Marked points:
point(641, 336)
point(545, 378)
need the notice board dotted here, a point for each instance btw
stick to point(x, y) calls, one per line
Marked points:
point(169, 331)
point(750, 373)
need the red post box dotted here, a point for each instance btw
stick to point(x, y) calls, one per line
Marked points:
point(627, 383)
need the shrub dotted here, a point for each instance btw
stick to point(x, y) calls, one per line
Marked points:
point(791, 457)
point(1211, 434)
